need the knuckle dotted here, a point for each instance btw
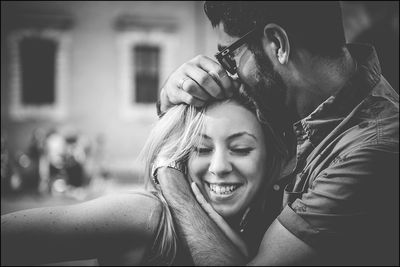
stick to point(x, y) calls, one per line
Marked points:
point(189, 64)
point(182, 68)
point(189, 87)
point(222, 74)
point(204, 80)
point(198, 58)
point(189, 99)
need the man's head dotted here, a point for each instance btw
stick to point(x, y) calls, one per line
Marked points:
point(314, 26)
point(271, 59)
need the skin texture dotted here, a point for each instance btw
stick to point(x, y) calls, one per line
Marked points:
point(232, 152)
point(117, 229)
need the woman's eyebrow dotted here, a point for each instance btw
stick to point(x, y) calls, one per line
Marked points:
point(236, 135)
point(233, 136)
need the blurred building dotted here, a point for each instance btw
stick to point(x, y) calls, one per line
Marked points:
point(93, 67)
point(96, 66)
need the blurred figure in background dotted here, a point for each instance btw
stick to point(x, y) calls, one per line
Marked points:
point(6, 169)
point(65, 164)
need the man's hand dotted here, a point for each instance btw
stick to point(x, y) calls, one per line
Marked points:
point(196, 82)
point(234, 237)
point(207, 243)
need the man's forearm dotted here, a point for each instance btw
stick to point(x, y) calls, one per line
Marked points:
point(207, 244)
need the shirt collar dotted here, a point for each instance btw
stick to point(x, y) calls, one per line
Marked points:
point(327, 115)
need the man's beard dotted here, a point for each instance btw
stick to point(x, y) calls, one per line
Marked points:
point(270, 92)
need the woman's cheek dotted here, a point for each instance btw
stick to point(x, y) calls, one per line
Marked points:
point(198, 167)
point(249, 165)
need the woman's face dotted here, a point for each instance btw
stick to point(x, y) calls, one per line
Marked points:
point(229, 164)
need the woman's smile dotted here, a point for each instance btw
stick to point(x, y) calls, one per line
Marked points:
point(228, 164)
point(222, 191)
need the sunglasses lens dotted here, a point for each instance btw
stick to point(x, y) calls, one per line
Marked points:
point(228, 64)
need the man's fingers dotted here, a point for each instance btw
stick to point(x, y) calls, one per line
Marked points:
point(191, 85)
point(195, 83)
point(206, 206)
point(222, 224)
point(178, 95)
point(224, 81)
point(217, 72)
point(191, 100)
point(199, 196)
point(208, 84)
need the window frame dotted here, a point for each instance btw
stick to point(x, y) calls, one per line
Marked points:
point(156, 74)
point(58, 110)
point(166, 42)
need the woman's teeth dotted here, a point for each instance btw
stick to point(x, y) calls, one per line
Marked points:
point(223, 189)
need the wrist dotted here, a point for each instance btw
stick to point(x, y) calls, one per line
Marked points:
point(162, 166)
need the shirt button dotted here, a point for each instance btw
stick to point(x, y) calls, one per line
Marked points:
point(276, 187)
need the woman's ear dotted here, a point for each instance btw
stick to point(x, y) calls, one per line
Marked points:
point(279, 42)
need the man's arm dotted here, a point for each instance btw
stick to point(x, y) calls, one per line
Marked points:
point(281, 247)
point(206, 242)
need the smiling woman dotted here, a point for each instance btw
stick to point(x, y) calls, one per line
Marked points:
point(229, 164)
point(227, 152)
point(232, 155)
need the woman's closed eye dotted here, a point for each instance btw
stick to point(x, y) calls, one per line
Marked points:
point(242, 150)
point(203, 150)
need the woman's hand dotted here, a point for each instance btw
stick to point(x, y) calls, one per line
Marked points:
point(232, 235)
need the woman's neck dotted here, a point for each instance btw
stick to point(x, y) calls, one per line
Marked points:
point(238, 222)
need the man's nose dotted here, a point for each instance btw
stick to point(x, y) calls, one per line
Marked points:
point(220, 165)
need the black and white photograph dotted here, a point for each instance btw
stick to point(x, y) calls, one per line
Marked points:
point(199, 133)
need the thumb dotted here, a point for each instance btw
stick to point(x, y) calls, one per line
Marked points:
point(222, 224)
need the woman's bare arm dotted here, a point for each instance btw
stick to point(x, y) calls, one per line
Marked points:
point(112, 225)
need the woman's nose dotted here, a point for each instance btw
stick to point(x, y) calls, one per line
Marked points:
point(220, 164)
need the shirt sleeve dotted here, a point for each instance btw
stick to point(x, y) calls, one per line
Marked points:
point(346, 199)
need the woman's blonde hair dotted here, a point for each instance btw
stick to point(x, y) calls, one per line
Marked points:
point(173, 138)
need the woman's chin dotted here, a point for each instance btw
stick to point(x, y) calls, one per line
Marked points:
point(226, 212)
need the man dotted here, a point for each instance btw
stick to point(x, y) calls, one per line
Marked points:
point(337, 195)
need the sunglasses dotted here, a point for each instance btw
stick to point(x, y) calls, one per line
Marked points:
point(226, 56)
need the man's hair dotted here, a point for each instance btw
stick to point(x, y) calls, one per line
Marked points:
point(314, 26)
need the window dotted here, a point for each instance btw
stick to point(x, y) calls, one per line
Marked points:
point(146, 66)
point(37, 59)
point(38, 73)
point(146, 58)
